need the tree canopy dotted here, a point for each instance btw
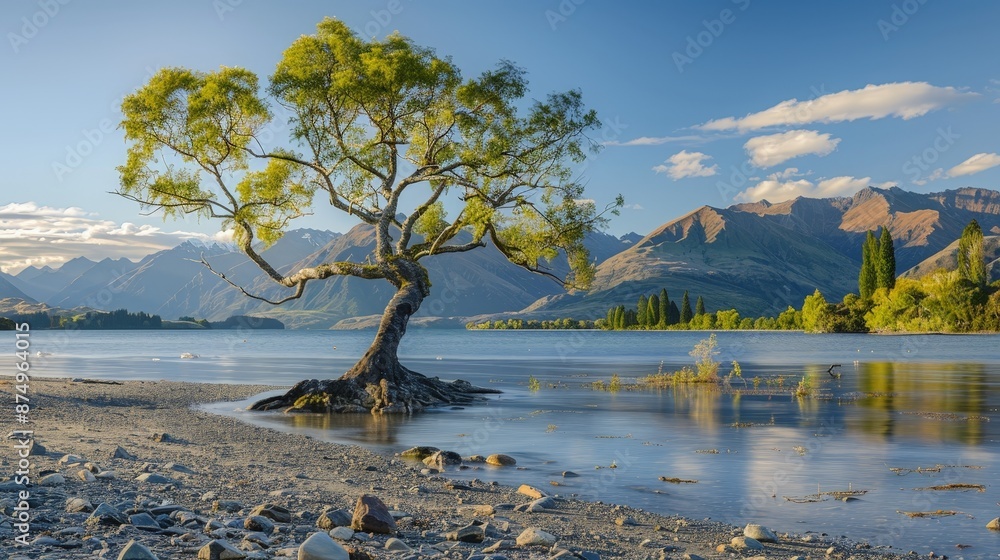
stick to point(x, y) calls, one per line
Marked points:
point(385, 131)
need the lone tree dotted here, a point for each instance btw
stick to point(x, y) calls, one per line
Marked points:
point(385, 131)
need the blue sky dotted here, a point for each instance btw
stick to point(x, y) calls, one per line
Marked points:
point(705, 102)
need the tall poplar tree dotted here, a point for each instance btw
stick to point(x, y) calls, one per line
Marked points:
point(868, 277)
point(664, 308)
point(641, 308)
point(699, 307)
point(885, 268)
point(686, 314)
point(653, 312)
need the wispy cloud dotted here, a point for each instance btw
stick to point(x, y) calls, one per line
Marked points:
point(779, 191)
point(41, 235)
point(975, 164)
point(775, 149)
point(905, 100)
point(687, 164)
point(787, 174)
point(660, 140)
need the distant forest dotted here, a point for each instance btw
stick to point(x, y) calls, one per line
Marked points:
point(122, 319)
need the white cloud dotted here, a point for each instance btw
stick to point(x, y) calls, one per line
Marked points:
point(775, 149)
point(687, 164)
point(905, 100)
point(659, 140)
point(786, 174)
point(975, 164)
point(779, 191)
point(43, 235)
point(633, 207)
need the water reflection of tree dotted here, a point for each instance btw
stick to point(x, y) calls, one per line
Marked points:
point(940, 402)
point(365, 428)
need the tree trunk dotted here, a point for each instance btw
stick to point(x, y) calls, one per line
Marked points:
point(378, 382)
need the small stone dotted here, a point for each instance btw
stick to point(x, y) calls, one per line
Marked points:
point(273, 512)
point(79, 505)
point(746, 543)
point(228, 506)
point(144, 521)
point(120, 453)
point(105, 514)
point(54, 479)
point(468, 534)
point(541, 504)
point(163, 438)
point(319, 546)
point(331, 518)
point(342, 533)
point(371, 516)
point(178, 468)
point(484, 510)
point(220, 550)
point(136, 551)
point(396, 545)
point(419, 452)
point(500, 460)
point(106, 475)
point(760, 533)
point(626, 521)
point(259, 523)
point(994, 525)
point(440, 459)
point(153, 478)
point(71, 459)
point(533, 536)
point(36, 449)
point(85, 475)
point(690, 556)
point(531, 492)
point(569, 474)
point(477, 459)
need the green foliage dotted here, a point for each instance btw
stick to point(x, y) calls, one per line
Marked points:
point(885, 268)
point(686, 313)
point(813, 309)
point(971, 260)
point(699, 306)
point(790, 320)
point(616, 384)
point(119, 319)
point(664, 312)
point(704, 354)
point(373, 124)
point(653, 312)
point(641, 308)
point(805, 387)
point(727, 320)
point(6, 324)
point(868, 277)
point(566, 323)
point(533, 384)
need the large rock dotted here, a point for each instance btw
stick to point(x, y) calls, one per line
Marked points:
point(220, 550)
point(143, 520)
point(136, 551)
point(319, 546)
point(120, 453)
point(759, 533)
point(441, 459)
point(500, 460)
point(994, 525)
point(79, 505)
point(153, 478)
point(371, 515)
point(533, 536)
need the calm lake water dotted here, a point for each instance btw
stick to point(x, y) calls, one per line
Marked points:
point(902, 402)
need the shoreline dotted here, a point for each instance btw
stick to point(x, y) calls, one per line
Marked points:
point(208, 460)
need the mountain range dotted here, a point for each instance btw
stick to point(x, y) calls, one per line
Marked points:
point(757, 257)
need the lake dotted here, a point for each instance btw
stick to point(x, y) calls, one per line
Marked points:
point(906, 414)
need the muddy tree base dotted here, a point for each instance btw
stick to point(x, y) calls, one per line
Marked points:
point(412, 393)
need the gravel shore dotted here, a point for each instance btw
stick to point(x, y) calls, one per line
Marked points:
point(170, 481)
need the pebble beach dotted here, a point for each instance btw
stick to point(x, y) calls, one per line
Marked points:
point(132, 471)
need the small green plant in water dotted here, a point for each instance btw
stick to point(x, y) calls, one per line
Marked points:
point(597, 385)
point(533, 384)
point(551, 428)
point(805, 388)
point(704, 354)
point(616, 384)
point(756, 383)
